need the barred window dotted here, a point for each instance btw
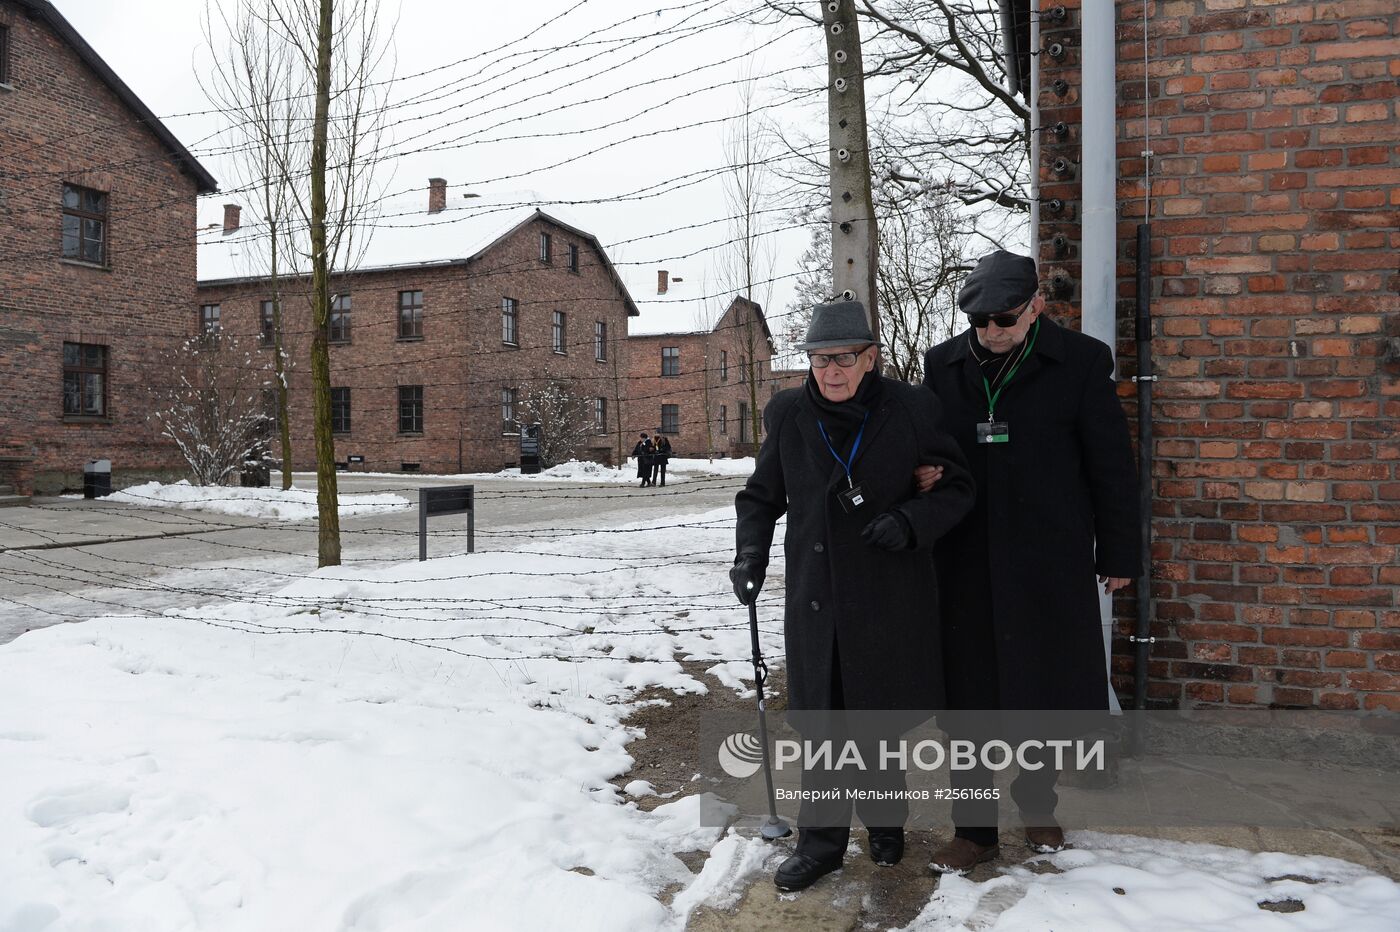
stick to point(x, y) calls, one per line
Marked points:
point(724, 419)
point(508, 422)
point(600, 415)
point(510, 321)
point(670, 419)
point(266, 324)
point(546, 248)
point(340, 410)
point(724, 365)
point(84, 224)
point(4, 54)
point(410, 409)
point(410, 315)
point(209, 326)
point(338, 324)
point(573, 257)
point(84, 380)
point(670, 360)
point(560, 332)
point(600, 340)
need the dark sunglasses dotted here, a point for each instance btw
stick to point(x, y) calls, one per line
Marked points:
point(1004, 321)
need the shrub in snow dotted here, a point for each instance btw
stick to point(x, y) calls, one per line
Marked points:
point(214, 407)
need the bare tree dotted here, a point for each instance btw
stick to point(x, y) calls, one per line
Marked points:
point(746, 265)
point(322, 119)
point(921, 253)
point(941, 114)
point(252, 84)
point(565, 419)
point(923, 250)
point(212, 408)
point(813, 285)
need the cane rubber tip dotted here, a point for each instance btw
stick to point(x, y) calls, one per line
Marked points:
point(772, 830)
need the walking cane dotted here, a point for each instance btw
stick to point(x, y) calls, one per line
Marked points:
point(773, 827)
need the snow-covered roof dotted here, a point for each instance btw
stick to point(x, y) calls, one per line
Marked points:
point(401, 233)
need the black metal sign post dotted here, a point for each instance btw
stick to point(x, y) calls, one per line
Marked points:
point(446, 500)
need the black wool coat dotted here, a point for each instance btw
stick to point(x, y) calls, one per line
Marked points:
point(643, 453)
point(876, 609)
point(1020, 596)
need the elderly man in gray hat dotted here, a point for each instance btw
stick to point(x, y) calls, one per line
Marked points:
point(838, 459)
point(1033, 407)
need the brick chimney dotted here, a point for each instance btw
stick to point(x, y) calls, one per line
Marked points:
point(231, 218)
point(437, 195)
point(663, 281)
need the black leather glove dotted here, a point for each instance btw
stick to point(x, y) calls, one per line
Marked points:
point(747, 569)
point(889, 531)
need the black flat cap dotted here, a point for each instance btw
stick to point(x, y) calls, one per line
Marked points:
point(1002, 281)
point(840, 323)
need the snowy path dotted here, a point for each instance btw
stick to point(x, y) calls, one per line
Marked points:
point(428, 747)
point(398, 746)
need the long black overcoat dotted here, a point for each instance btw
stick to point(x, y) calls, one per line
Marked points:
point(877, 609)
point(1020, 599)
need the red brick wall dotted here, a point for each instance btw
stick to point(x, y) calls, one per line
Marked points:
point(649, 390)
point(706, 386)
point(61, 124)
point(1275, 215)
point(461, 362)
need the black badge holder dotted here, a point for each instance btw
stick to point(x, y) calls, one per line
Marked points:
point(993, 432)
point(851, 499)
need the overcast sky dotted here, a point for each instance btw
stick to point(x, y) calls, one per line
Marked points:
point(158, 48)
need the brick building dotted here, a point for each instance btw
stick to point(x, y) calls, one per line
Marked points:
point(432, 360)
point(97, 202)
point(701, 388)
point(1275, 226)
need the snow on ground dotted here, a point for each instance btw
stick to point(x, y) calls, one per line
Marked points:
point(1125, 883)
point(420, 746)
point(428, 747)
point(264, 504)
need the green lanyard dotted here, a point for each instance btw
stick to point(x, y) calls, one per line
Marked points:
point(993, 396)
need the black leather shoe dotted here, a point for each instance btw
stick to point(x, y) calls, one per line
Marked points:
point(887, 848)
point(800, 871)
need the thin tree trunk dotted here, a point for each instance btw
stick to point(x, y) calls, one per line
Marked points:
point(327, 500)
point(283, 395)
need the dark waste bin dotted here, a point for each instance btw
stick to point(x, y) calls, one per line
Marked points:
point(97, 479)
point(530, 450)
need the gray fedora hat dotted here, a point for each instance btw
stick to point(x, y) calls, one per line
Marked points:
point(840, 323)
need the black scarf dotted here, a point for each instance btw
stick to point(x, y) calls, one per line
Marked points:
point(843, 418)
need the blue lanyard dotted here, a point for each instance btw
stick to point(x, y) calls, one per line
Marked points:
point(855, 448)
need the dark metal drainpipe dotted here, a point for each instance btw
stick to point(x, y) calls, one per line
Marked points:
point(1142, 638)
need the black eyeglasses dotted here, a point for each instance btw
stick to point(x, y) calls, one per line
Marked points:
point(1008, 319)
point(844, 360)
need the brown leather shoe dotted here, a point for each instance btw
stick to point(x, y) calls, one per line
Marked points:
point(961, 855)
point(1045, 839)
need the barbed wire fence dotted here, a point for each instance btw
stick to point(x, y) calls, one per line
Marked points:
point(503, 92)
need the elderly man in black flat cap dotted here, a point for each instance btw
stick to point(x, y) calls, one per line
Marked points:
point(1033, 407)
point(839, 459)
